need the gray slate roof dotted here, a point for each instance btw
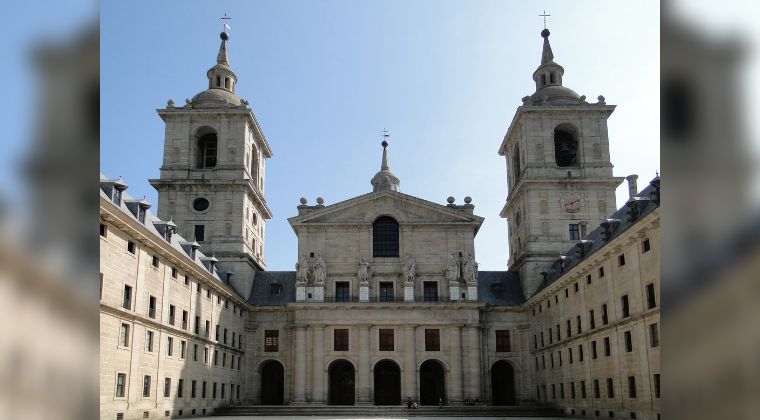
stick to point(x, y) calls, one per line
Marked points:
point(261, 291)
point(500, 288)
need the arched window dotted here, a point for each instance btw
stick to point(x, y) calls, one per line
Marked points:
point(207, 147)
point(566, 145)
point(516, 162)
point(385, 237)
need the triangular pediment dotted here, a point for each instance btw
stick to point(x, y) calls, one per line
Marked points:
point(406, 209)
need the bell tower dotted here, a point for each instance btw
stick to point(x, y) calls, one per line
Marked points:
point(212, 176)
point(559, 173)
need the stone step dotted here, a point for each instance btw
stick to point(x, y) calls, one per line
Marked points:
point(388, 411)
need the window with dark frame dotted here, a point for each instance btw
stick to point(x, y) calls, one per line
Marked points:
point(180, 388)
point(386, 339)
point(271, 340)
point(131, 247)
point(386, 292)
point(152, 307)
point(432, 340)
point(621, 260)
point(127, 301)
point(601, 272)
point(200, 233)
point(172, 310)
point(597, 393)
point(148, 341)
point(503, 341)
point(385, 237)
point(430, 291)
point(610, 389)
point(169, 346)
point(342, 291)
point(605, 320)
point(340, 339)
point(124, 335)
point(574, 232)
point(654, 335)
point(103, 230)
point(645, 246)
point(121, 380)
point(624, 303)
point(651, 298)
point(628, 341)
point(167, 387)
point(631, 387)
point(146, 386)
point(657, 385)
point(607, 346)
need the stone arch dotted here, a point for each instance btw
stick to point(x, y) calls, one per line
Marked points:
point(432, 380)
point(386, 235)
point(206, 146)
point(341, 374)
point(503, 376)
point(566, 145)
point(271, 382)
point(386, 375)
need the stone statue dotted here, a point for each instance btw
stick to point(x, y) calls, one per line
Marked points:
point(364, 272)
point(451, 269)
point(470, 269)
point(302, 270)
point(320, 272)
point(410, 269)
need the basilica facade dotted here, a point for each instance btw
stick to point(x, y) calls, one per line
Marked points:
point(386, 304)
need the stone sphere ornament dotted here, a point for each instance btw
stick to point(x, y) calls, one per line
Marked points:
point(468, 200)
point(450, 200)
point(303, 201)
point(320, 201)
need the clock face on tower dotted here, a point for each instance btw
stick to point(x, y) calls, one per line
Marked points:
point(571, 203)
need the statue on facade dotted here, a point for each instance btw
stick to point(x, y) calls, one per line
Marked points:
point(451, 269)
point(365, 271)
point(410, 269)
point(470, 269)
point(320, 271)
point(302, 270)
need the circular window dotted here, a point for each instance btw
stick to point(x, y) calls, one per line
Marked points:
point(200, 204)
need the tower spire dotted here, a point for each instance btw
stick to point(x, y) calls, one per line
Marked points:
point(547, 56)
point(221, 57)
point(384, 164)
point(385, 179)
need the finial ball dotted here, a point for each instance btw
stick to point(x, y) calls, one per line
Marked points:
point(304, 201)
point(468, 200)
point(224, 36)
point(384, 143)
point(320, 200)
point(450, 200)
point(545, 33)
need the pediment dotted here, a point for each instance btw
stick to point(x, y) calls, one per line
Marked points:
point(406, 209)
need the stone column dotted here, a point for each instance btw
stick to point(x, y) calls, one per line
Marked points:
point(318, 364)
point(299, 368)
point(472, 369)
point(364, 347)
point(455, 379)
point(410, 363)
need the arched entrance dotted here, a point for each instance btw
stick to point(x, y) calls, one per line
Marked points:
point(432, 383)
point(341, 391)
point(502, 383)
point(272, 383)
point(387, 383)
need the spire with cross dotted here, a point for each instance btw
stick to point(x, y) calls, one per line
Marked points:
point(224, 22)
point(544, 15)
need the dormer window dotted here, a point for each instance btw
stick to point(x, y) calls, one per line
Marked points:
point(116, 196)
point(275, 289)
point(141, 214)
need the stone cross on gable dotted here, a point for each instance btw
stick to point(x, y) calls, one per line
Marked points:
point(544, 16)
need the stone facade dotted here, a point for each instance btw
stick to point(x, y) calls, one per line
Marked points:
point(386, 302)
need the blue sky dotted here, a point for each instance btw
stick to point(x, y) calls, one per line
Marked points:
point(324, 78)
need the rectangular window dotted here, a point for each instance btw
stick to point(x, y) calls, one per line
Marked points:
point(203, 389)
point(606, 346)
point(197, 326)
point(154, 261)
point(433, 340)
point(628, 341)
point(624, 303)
point(574, 232)
point(148, 340)
point(386, 291)
point(651, 299)
point(583, 389)
point(535, 341)
point(593, 350)
point(610, 389)
point(580, 352)
point(645, 246)
point(172, 310)
point(597, 393)
point(152, 307)
point(233, 339)
point(570, 355)
point(654, 335)
point(167, 387)
point(224, 359)
point(225, 336)
point(146, 386)
point(631, 387)
point(605, 320)
point(187, 280)
point(213, 391)
point(131, 247)
point(386, 339)
point(578, 324)
point(208, 328)
point(205, 355)
point(103, 230)
point(551, 358)
point(184, 319)
point(591, 320)
point(121, 380)
point(169, 346)
point(200, 231)
point(576, 287)
point(195, 352)
point(601, 272)
point(127, 301)
point(342, 291)
point(572, 390)
point(223, 388)
point(430, 291)
point(621, 260)
point(554, 391)
point(124, 335)
point(271, 340)
point(657, 385)
point(588, 278)
point(569, 330)
point(193, 384)
point(216, 333)
point(180, 388)
point(174, 272)
point(182, 349)
point(503, 341)
point(559, 337)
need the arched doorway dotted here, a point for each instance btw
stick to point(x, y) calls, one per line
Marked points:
point(502, 383)
point(432, 383)
point(272, 383)
point(341, 391)
point(387, 383)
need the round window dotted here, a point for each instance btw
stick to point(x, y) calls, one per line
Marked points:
point(200, 204)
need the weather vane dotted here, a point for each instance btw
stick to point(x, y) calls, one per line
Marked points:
point(224, 20)
point(544, 16)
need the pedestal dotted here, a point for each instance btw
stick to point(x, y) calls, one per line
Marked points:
point(300, 293)
point(472, 292)
point(318, 294)
point(364, 293)
point(454, 292)
point(408, 292)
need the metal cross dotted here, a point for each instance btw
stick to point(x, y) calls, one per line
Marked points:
point(224, 21)
point(385, 133)
point(544, 16)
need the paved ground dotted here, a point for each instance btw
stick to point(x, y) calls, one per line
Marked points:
point(372, 418)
